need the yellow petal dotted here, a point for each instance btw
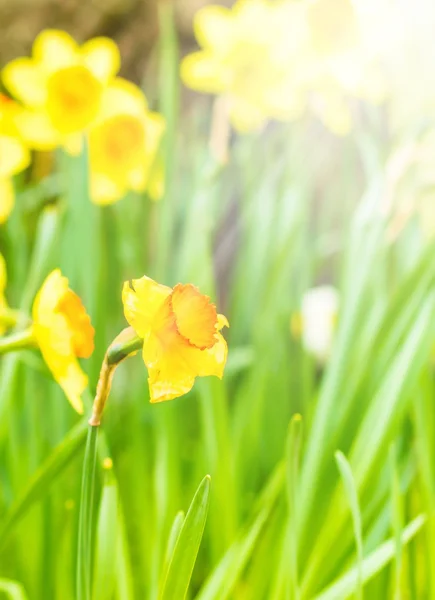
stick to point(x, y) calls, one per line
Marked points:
point(14, 156)
point(101, 56)
point(54, 49)
point(142, 298)
point(25, 81)
point(37, 130)
point(122, 97)
point(212, 25)
point(104, 190)
point(62, 329)
point(73, 143)
point(203, 72)
point(73, 383)
point(222, 322)
point(7, 199)
point(172, 368)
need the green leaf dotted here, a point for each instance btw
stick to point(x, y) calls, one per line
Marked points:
point(187, 546)
point(352, 498)
point(41, 481)
point(107, 540)
point(372, 564)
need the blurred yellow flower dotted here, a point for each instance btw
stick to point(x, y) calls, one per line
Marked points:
point(61, 86)
point(14, 155)
point(181, 335)
point(63, 332)
point(123, 145)
point(277, 59)
point(3, 282)
point(253, 55)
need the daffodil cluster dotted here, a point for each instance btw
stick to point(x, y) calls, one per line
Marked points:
point(276, 59)
point(66, 93)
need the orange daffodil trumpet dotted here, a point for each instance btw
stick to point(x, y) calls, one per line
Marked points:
point(61, 86)
point(63, 331)
point(14, 155)
point(180, 328)
point(123, 145)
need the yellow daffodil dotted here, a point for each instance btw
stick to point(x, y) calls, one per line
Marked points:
point(123, 145)
point(3, 282)
point(61, 85)
point(252, 55)
point(14, 155)
point(181, 335)
point(64, 333)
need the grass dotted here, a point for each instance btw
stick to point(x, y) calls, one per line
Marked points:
point(288, 479)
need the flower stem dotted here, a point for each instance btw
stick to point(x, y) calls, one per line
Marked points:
point(84, 558)
point(9, 317)
point(17, 341)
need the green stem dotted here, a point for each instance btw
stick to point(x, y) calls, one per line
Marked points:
point(84, 557)
point(17, 341)
point(120, 350)
point(9, 317)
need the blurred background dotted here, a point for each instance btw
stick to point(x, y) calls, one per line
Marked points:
point(290, 175)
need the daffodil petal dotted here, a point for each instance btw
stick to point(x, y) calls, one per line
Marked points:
point(37, 130)
point(142, 298)
point(25, 81)
point(211, 26)
point(54, 49)
point(101, 56)
point(74, 383)
point(202, 72)
point(61, 328)
point(122, 97)
point(7, 199)
point(73, 143)
point(14, 156)
point(172, 369)
point(222, 322)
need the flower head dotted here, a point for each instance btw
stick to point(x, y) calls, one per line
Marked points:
point(64, 333)
point(251, 54)
point(61, 85)
point(181, 335)
point(14, 155)
point(123, 145)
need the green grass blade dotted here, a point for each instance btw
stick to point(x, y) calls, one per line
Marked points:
point(293, 448)
point(107, 540)
point(84, 553)
point(352, 498)
point(223, 579)
point(187, 545)
point(39, 485)
point(372, 564)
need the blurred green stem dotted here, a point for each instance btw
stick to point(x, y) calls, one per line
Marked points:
point(84, 557)
point(10, 317)
point(17, 341)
